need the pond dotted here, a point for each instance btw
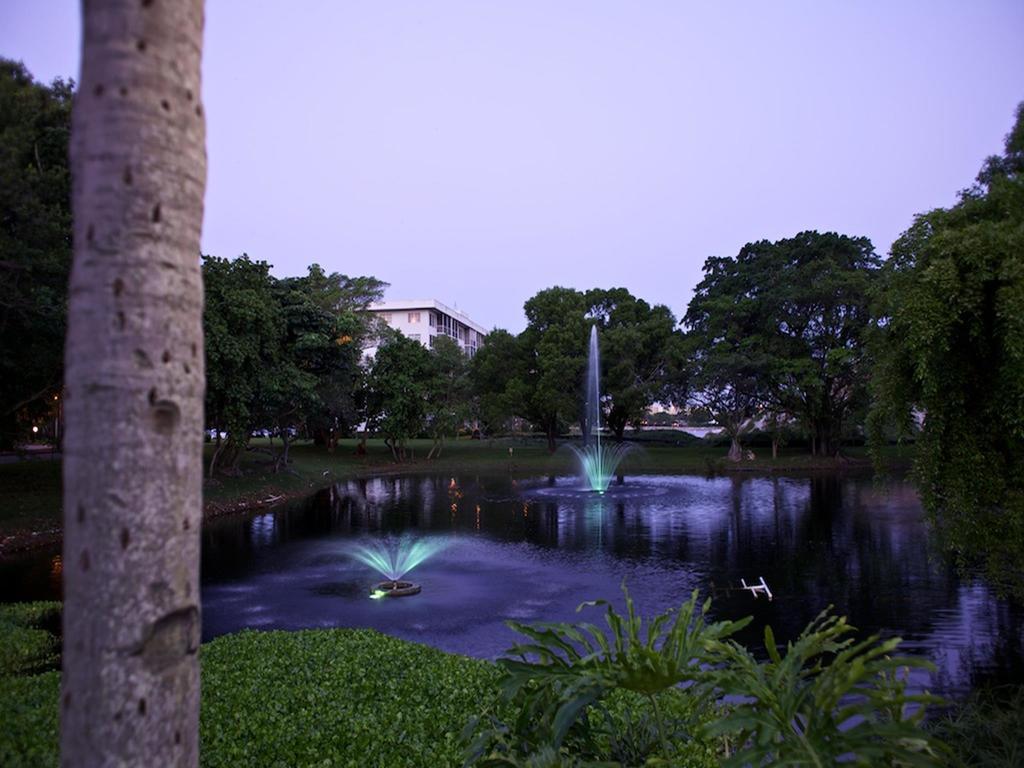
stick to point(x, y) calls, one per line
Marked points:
point(532, 550)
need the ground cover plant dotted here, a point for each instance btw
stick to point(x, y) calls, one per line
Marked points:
point(314, 697)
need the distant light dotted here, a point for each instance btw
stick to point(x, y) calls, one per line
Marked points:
point(34, 430)
point(377, 594)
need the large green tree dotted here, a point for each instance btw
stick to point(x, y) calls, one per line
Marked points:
point(553, 349)
point(641, 354)
point(792, 318)
point(35, 243)
point(950, 350)
point(448, 396)
point(245, 333)
point(495, 364)
point(399, 383)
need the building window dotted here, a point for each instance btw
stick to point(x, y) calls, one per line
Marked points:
point(431, 319)
point(387, 317)
point(414, 317)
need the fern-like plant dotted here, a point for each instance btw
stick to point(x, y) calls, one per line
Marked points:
point(828, 700)
point(565, 669)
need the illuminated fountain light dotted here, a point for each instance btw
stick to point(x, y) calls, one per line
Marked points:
point(393, 559)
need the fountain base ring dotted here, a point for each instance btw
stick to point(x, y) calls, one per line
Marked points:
point(397, 588)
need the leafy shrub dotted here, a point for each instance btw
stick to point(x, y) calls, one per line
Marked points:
point(27, 637)
point(336, 697)
point(987, 730)
point(827, 700)
point(561, 682)
point(28, 694)
point(29, 733)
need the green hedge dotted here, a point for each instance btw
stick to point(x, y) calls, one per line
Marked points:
point(316, 697)
point(338, 698)
point(26, 638)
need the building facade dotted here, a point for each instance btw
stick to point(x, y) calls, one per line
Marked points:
point(424, 320)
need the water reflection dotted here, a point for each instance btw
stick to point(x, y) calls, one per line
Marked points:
point(533, 550)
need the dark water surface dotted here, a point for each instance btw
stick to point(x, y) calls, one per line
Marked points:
point(533, 550)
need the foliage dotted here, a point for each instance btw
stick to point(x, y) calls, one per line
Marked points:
point(29, 645)
point(448, 396)
point(243, 337)
point(565, 671)
point(641, 354)
point(490, 371)
point(950, 347)
point(827, 700)
point(399, 384)
point(340, 697)
point(537, 375)
point(987, 730)
point(28, 694)
point(30, 732)
point(553, 348)
point(282, 355)
point(35, 243)
point(781, 328)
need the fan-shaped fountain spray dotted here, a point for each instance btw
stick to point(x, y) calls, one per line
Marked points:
point(598, 461)
point(393, 559)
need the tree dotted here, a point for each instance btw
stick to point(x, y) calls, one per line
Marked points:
point(497, 362)
point(35, 243)
point(554, 349)
point(344, 327)
point(245, 333)
point(950, 347)
point(134, 391)
point(727, 363)
point(641, 354)
point(790, 320)
point(448, 396)
point(399, 384)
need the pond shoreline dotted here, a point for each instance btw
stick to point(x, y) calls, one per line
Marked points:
point(273, 490)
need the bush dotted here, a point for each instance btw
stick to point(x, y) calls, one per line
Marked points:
point(337, 697)
point(28, 693)
point(28, 638)
point(986, 730)
point(695, 697)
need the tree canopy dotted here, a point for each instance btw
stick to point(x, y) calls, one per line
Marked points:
point(35, 242)
point(781, 329)
point(282, 355)
point(950, 351)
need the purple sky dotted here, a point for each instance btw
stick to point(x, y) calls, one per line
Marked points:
point(477, 152)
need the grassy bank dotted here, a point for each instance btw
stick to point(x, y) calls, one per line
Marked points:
point(30, 491)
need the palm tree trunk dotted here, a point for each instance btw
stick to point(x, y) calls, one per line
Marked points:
point(134, 390)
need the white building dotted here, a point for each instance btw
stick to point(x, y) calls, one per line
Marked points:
point(425, 320)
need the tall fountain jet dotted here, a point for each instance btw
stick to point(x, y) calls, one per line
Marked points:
point(598, 461)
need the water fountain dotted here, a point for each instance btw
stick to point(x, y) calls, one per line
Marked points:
point(598, 461)
point(393, 559)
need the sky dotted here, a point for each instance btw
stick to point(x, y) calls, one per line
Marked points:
point(477, 152)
